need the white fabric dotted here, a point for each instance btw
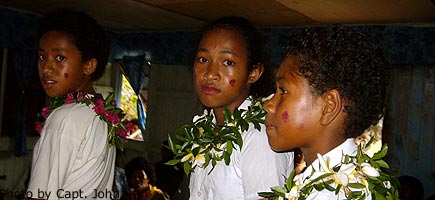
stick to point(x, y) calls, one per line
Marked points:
point(335, 155)
point(254, 169)
point(72, 156)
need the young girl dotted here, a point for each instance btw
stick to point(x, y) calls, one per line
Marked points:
point(331, 86)
point(72, 158)
point(230, 66)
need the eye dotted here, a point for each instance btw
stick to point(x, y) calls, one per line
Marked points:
point(282, 91)
point(42, 57)
point(60, 58)
point(202, 60)
point(228, 63)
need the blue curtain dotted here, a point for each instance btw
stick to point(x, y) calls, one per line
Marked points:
point(135, 68)
point(24, 61)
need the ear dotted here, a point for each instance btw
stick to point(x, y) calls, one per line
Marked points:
point(90, 66)
point(332, 106)
point(256, 73)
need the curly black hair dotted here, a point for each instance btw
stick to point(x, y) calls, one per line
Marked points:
point(140, 163)
point(344, 59)
point(90, 38)
point(255, 48)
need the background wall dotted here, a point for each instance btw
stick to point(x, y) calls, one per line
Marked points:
point(409, 124)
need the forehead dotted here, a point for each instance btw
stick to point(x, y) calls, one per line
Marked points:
point(288, 69)
point(56, 38)
point(223, 38)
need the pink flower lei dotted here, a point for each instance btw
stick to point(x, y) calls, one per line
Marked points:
point(105, 108)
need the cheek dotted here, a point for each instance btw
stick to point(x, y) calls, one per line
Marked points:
point(232, 82)
point(66, 75)
point(284, 116)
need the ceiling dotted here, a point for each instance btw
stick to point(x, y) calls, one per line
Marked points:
point(170, 15)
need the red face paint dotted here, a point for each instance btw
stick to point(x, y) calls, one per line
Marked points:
point(232, 82)
point(284, 116)
point(66, 75)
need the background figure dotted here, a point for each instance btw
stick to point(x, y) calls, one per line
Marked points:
point(231, 67)
point(410, 188)
point(141, 178)
point(168, 178)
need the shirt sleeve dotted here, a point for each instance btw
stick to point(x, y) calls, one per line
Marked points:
point(261, 167)
point(53, 154)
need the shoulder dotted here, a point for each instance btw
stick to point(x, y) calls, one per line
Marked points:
point(73, 118)
point(72, 110)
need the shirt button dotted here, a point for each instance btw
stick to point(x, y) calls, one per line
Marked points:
point(199, 193)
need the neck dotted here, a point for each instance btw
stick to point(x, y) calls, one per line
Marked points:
point(219, 111)
point(310, 154)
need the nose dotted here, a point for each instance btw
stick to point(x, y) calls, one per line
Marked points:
point(45, 66)
point(212, 72)
point(269, 105)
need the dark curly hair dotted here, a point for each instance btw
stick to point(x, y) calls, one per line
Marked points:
point(140, 163)
point(255, 48)
point(341, 58)
point(89, 37)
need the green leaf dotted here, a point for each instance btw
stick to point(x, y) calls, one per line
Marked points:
point(266, 194)
point(289, 183)
point(280, 191)
point(319, 187)
point(328, 186)
point(382, 164)
point(382, 153)
point(356, 185)
point(229, 147)
point(173, 162)
point(186, 167)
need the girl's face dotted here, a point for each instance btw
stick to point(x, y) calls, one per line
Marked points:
point(221, 71)
point(60, 66)
point(294, 112)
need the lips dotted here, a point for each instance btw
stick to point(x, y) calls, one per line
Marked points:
point(268, 125)
point(209, 89)
point(47, 84)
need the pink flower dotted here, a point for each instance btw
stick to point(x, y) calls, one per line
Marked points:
point(38, 127)
point(45, 112)
point(69, 98)
point(112, 118)
point(80, 95)
point(122, 133)
point(99, 108)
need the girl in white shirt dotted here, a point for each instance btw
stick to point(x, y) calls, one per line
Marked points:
point(230, 66)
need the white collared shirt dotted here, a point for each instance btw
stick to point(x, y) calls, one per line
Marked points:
point(72, 156)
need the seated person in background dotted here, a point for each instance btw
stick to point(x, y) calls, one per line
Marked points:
point(141, 178)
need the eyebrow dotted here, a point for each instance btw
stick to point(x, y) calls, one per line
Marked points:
point(220, 52)
point(280, 78)
point(56, 49)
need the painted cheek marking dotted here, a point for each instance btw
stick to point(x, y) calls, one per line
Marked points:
point(284, 116)
point(232, 82)
point(66, 75)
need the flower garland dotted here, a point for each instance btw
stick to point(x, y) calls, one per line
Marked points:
point(358, 177)
point(105, 108)
point(203, 141)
